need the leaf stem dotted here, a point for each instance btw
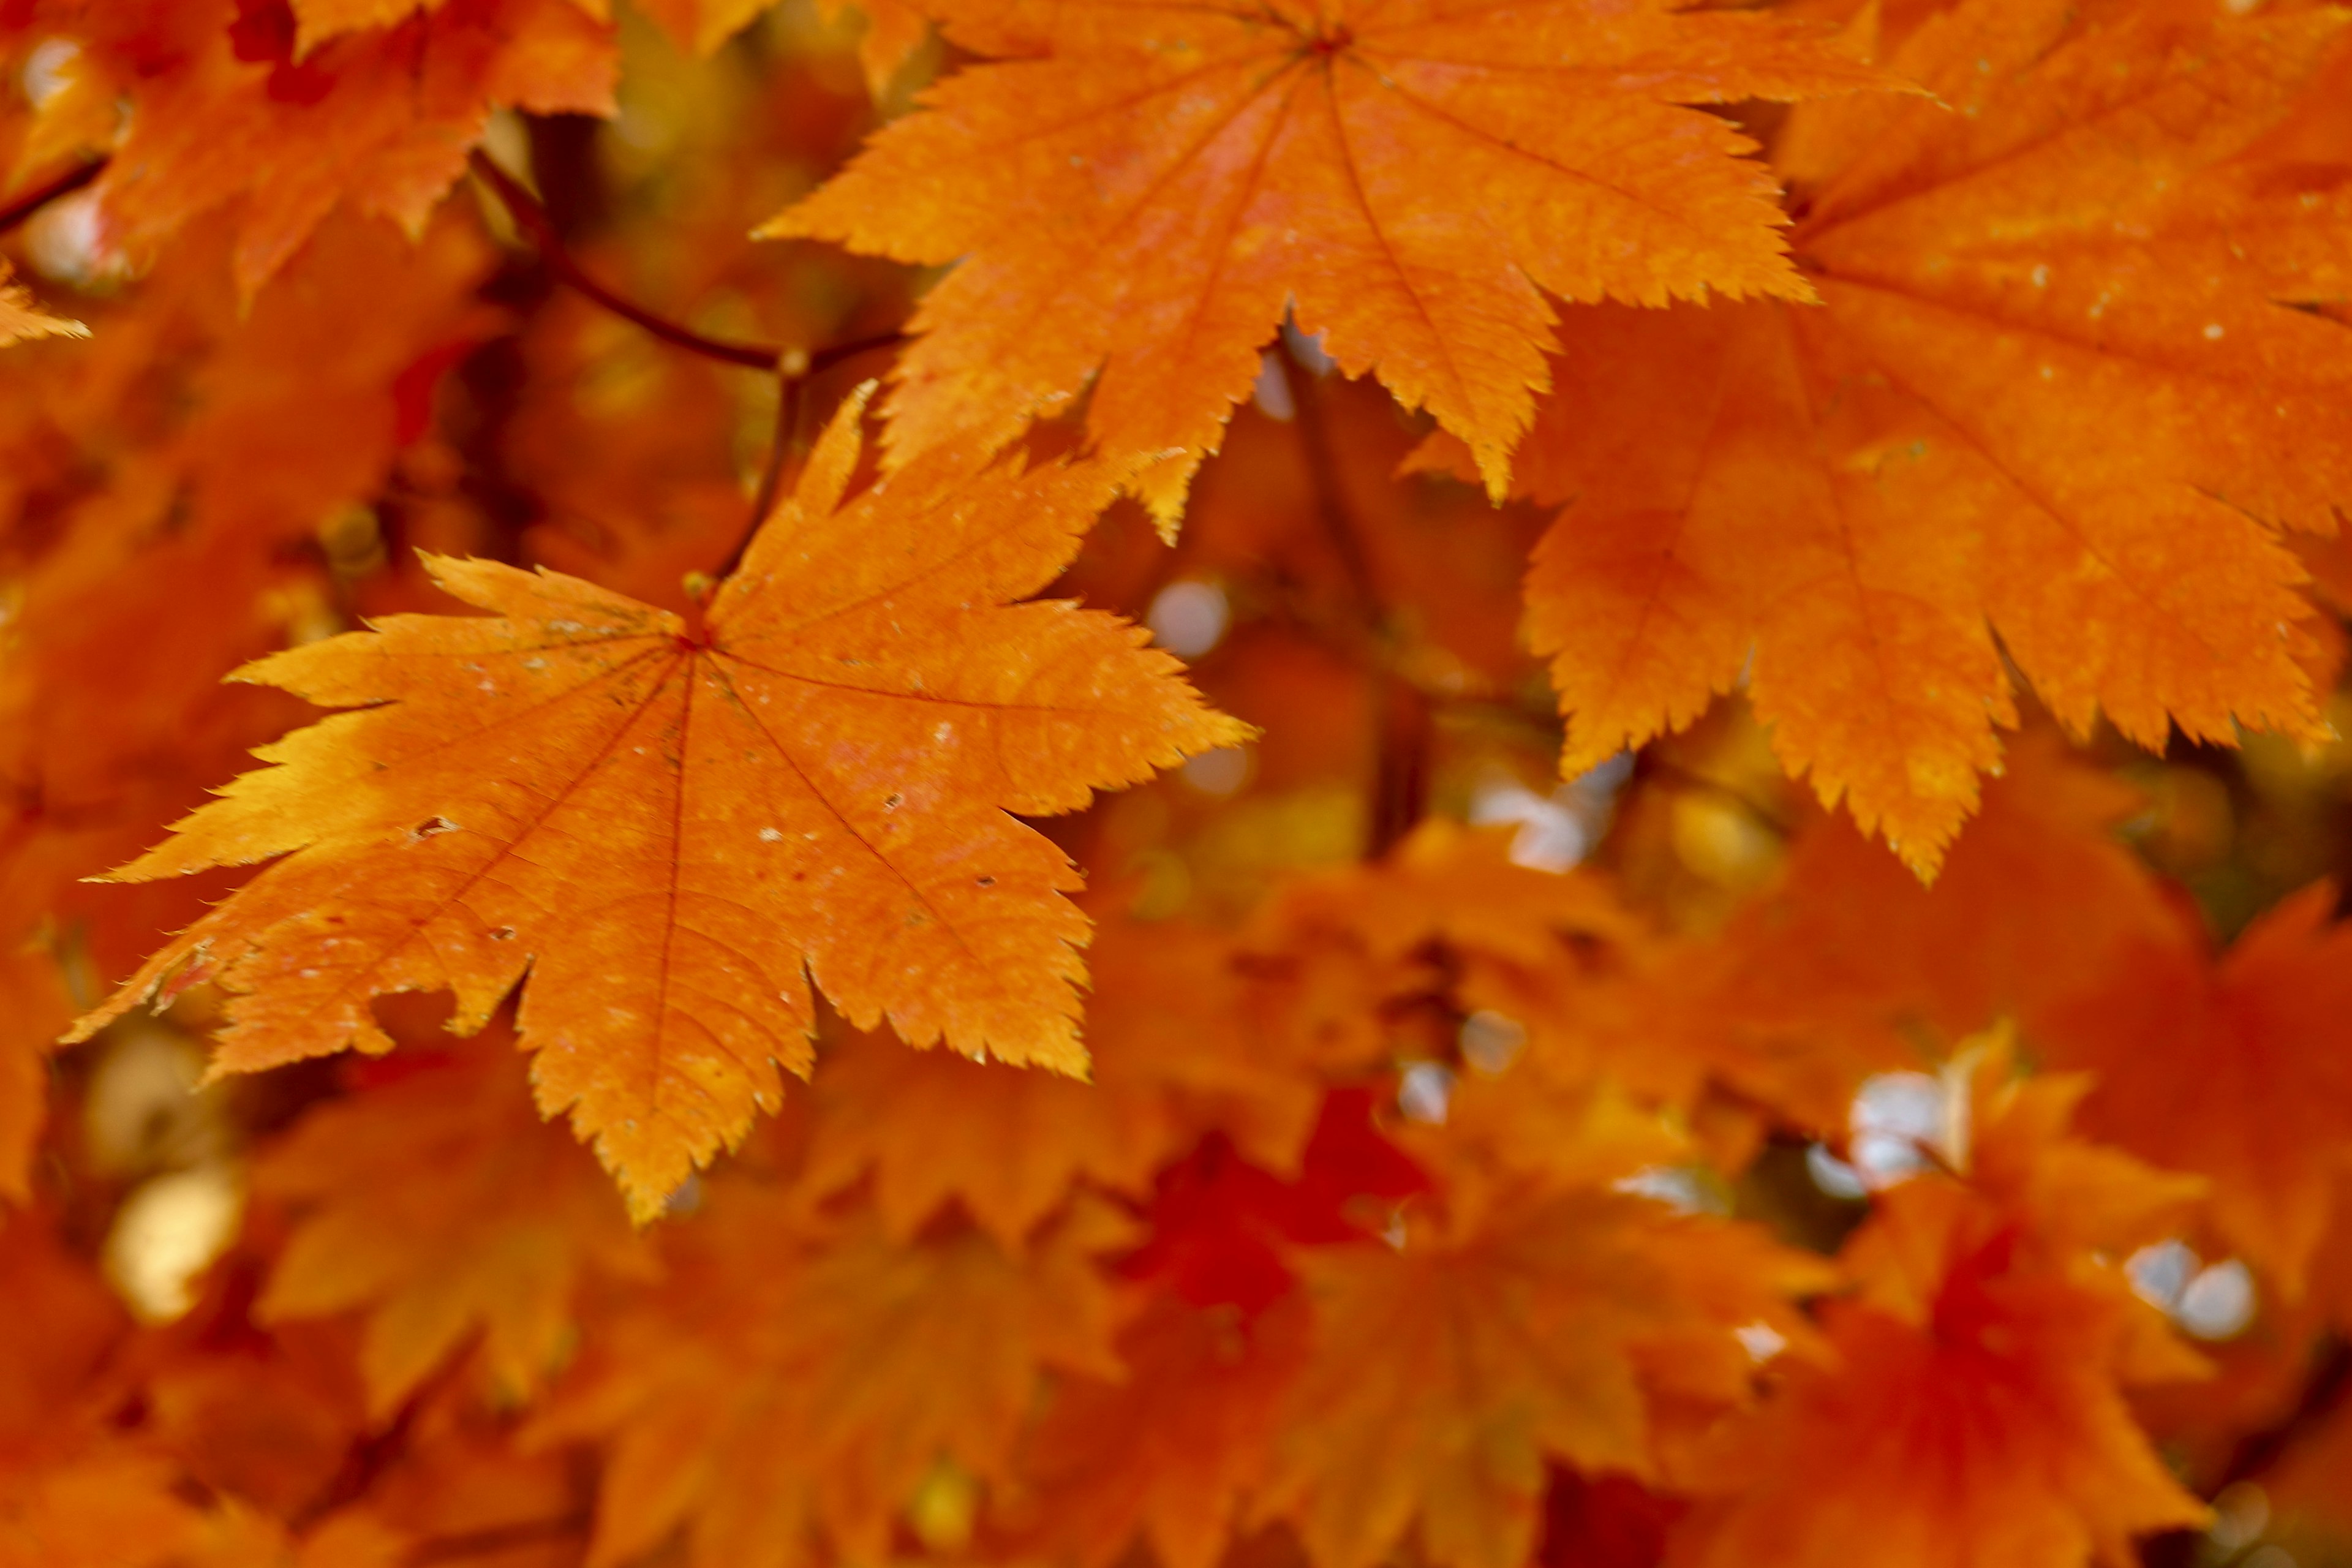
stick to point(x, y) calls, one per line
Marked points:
point(792, 374)
point(1401, 710)
point(532, 219)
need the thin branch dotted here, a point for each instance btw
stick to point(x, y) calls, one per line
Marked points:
point(498, 1538)
point(41, 195)
point(772, 478)
point(1400, 781)
point(793, 372)
point(532, 219)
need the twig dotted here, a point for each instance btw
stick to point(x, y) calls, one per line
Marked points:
point(497, 1538)
point(771, 477)
point(532, 219)
point(41, 195)
point(1401, 780)
point(792, 374)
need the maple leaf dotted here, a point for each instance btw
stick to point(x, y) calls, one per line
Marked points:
point(1173, 1054)
point(33, 1008)
point(443, 1206)
point(1337, 950)
point(1972, 1412)
point(669, 820)
point(783, 1381)
point(68, 1491)
point(1835, 971)
point(2235, 1068)
point(1864, 496)
point(227, 111)
point(109, 1511)
point(21, 316)
point(235, 1536)
point(1138, 192)
point(1445, 1374)
point(1169, 1451)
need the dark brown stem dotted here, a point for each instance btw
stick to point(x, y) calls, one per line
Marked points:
point(787, 443)
point(498, 1538)
point(1402, 711)
point(41, 195)
point(532, 219)
point(772, 478)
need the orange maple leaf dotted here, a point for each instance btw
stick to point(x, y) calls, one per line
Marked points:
point(1143, 190)
point(1446, 1372)
point(2046, 400)
point(669, 820)
point(22, 317)
point(1168, 1452)
point(377, 106)
point(789, 1381)
point(1972, 1412)
point(2238, 1069)
point(33, 1008)
point(442, 1206)
point(1173, 1056)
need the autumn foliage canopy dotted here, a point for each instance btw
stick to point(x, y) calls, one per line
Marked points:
point(1175, 784)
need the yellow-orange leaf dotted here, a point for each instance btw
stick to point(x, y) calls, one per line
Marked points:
point(257, 109)
point(22, 317)
point(675, 825)
point(1143, 190)
point(2051, 396)
point(441, 1206)
point(786, 1382)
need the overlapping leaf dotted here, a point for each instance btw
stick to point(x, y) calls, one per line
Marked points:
point(1174, 1056)
point(441, 1206)
point(676, 824)
point(1974, 1411)
point(2235, 1065)
point(2056, 397)
point(1141, 192)
point(281, 113)
point(1446, 1373)
point(787, 1386)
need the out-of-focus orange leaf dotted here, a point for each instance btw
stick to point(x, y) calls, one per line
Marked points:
point(786, 1382)
point(252, 107)
point(1174, 1056)
point(443, 1207)
point(21, 317)
point(68, 1493)
point(110, 1510)
point(33, 1009)
point(1971, 1412)
point(1142, 191)
point(2237, 1066)
point(1166, 1452)
point(672, 820)
point(1446, 1372)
